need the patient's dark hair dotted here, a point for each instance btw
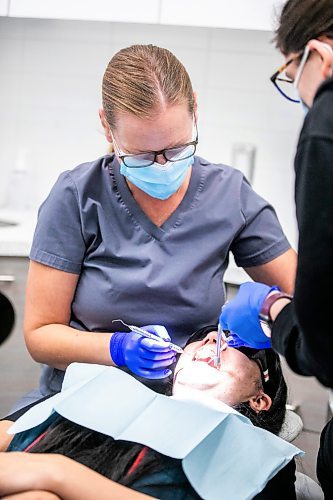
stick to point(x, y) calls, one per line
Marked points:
point(302, 20)
point(114, 459)
point(272, 419)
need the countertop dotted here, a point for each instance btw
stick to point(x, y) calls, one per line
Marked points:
point(16, 239)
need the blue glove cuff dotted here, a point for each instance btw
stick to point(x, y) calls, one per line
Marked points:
point(234, 341)
point(116, 348)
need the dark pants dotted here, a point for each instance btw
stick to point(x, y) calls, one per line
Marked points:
point(325, 461)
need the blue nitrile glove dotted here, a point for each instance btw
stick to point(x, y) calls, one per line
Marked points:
point(145, 357)
point(234, 341)
point(241, 316)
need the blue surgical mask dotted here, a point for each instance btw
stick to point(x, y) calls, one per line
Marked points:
point(305, 107)
point(159, 181)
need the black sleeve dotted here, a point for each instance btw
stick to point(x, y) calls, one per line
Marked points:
point(17, 414)
point(288, 341)
point(325, 460)
point(282, 485)
point(305, 337)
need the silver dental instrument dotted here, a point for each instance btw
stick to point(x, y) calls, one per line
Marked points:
point(217, 357)
point(220, 335)
point(149, 335)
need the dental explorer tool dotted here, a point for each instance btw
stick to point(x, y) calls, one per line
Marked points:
point(149, 335)
point(217, 357)
point(220, 335)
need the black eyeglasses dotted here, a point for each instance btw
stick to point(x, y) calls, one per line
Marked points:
point(259, 356)
point(284, 84)
point(142, 160)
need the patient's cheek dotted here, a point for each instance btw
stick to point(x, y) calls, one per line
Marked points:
point(187, 356)
point(192, 348)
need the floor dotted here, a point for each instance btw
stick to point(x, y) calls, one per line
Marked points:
point(310, 400)
point(19, 374)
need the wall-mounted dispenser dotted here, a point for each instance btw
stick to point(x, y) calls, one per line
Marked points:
point(243, 158)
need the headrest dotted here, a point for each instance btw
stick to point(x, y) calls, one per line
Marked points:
point(292, 426)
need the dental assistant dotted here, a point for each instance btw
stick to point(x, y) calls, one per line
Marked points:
point(302, 328)
point(142, 234)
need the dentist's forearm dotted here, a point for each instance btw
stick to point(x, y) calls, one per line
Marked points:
point(60, 345)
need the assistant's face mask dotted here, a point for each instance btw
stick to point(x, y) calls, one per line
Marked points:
point(305, 107)
point(159, 181)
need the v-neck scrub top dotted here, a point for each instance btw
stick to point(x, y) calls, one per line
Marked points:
point(129, 268)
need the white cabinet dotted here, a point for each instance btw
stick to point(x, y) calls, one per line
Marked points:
point(238, 14)
point(4, 7)
point(143, 11)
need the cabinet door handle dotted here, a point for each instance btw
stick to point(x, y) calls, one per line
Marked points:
point(6, 278)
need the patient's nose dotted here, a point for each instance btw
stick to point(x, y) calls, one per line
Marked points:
point(210, 338)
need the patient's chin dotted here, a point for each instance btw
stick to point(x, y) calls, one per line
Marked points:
point(199, 376)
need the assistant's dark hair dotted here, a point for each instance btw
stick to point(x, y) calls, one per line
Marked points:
point(302, 20)
point(272, 419)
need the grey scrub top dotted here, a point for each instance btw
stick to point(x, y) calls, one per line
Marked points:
point(131, 269)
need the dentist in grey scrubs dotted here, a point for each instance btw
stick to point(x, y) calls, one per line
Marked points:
point(142, 234)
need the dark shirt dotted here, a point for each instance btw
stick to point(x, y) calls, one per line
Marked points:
point(325, 460)
point(302, 332)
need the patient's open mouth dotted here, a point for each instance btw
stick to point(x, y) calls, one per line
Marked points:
point(209, 360)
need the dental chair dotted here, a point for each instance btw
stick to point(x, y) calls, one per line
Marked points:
point(306, 488)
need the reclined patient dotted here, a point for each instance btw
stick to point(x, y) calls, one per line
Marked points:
point(251, 382)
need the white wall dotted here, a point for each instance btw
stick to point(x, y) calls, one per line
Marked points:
point(50, 92)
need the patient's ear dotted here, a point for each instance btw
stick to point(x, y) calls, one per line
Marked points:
point(260, 402)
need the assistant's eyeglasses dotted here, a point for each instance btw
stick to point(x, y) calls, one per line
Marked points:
point(148, 158)
point(283, 83)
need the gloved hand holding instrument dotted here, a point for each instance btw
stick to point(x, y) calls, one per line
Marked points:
point(243, 315)
point(146, 351)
